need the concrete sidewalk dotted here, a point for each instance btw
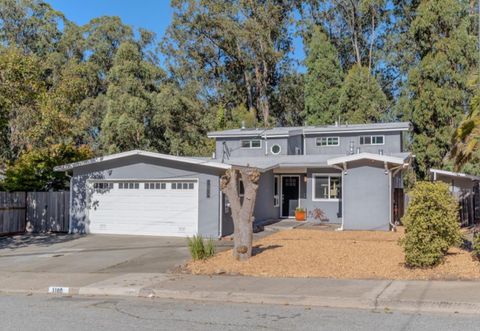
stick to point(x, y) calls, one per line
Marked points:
point(420, 296)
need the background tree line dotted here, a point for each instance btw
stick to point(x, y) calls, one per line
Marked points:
point(69, 91)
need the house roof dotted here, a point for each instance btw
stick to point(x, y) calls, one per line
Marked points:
point(393, 159)
point(453, 174)
point(189, 160)
point(265, 163)
point(290, 131)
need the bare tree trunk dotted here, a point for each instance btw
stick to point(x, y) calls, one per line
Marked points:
point(242, 211)
point(370, 51)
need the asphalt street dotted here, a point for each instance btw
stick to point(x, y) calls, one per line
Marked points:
point(38, 312)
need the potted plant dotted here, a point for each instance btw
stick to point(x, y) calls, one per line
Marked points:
point(300, 214)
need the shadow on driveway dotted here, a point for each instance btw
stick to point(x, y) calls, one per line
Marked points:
point(36, 240)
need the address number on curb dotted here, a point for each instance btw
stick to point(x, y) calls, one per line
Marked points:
point(58, 290)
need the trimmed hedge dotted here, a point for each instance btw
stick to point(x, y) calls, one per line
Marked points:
point(431, 224)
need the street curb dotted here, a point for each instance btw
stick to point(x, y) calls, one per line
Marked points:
point(275, 299)
point(330, 302)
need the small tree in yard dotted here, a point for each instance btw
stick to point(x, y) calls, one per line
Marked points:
point(431, 224)
point(242, 209)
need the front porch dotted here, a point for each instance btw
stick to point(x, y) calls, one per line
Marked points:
point(357, 192)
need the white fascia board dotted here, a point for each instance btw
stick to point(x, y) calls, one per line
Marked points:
point(454, 174)
point(336, 131)
point(366, 156)
point(250, 135)
point(188, 160)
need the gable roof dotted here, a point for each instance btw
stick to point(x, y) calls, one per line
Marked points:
point(400, 159)
point(183, 159)
point(453, 174)
point(291, 131)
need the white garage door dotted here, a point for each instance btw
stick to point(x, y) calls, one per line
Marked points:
point(159, 208)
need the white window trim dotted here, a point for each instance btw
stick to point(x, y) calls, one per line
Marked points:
point(327, 145)
point(276, 197)
point(329, 175)
point(281, 194)
point(371, 139)
point(250, 143)
point(279, 151)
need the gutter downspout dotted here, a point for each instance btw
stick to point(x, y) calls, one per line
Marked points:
point(70, 203)
point(266, 144)
point(342, 171)
point(304, 143)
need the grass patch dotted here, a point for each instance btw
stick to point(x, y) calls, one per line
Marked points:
point(201, 249)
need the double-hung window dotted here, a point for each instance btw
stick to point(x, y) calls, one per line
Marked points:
point(327, 141)
point(327, 187)
point(276, 191)
point(372, 140)
point(251, 143)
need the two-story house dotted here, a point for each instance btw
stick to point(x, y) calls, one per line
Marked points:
point(345, 174)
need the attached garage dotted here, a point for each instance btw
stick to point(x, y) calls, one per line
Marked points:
point(160, 208)
point(145, 193)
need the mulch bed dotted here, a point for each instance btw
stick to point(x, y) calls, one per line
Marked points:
point(343, 255)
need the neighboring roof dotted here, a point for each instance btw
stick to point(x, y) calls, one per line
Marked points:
point(265, 163)
point(290, 131)
point(394, 159)
point(453, 174)
point(189, 160)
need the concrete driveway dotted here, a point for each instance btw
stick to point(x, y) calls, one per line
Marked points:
point(62, 253)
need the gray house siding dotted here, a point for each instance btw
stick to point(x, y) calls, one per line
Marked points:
point(143, 168)
point(392, 143)
point(332, 209)
point(264, 205)
point(366, 197)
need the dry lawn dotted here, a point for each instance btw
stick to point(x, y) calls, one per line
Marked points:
point(345, 255)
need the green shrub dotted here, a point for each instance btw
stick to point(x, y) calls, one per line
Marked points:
point(198, 249)
point(476, 246)
point(431, 224)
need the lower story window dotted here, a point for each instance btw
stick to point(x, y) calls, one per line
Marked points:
point(327, 187)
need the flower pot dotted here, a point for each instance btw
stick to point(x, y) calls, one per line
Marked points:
point(300, 215)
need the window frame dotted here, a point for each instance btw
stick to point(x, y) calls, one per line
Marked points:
point(317, 139)
point(279, 149)
point(276, 197)
point(329, 176)
point(250, 143)
point(371, 140)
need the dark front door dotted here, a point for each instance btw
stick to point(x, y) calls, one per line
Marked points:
point(290, 195)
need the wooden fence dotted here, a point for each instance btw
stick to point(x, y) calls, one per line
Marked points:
point(12, 212)
point(34, 212)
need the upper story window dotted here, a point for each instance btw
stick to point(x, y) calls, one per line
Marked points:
point(328, 141)
point(252, 143)
point(372, 140)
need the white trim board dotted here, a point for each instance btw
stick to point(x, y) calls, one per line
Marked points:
point(154, 155)
point(366, 156)
point(281, 194)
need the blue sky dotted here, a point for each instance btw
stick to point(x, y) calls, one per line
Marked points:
point(153, 15)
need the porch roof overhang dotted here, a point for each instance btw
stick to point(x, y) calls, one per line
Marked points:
point(452, 174)
point(399, 160)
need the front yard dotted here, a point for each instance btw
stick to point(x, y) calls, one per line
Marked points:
point(344, 255)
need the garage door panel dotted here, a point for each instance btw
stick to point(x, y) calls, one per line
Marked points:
point(165, 212)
